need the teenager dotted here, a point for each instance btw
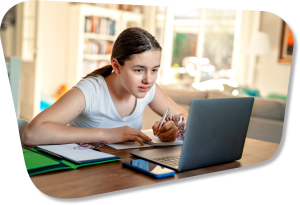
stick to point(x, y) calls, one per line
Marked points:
point(107, 105)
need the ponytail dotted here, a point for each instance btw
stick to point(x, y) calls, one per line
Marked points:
point(104, 71)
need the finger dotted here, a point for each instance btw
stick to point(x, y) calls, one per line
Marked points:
point(136, 132)
point(155, 127)
point(169, 135)
point(166, 126)
point(139, 140)
point(136, 138)
point(143, 136)
point(168, 138)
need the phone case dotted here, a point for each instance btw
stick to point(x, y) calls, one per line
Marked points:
point(158, 176)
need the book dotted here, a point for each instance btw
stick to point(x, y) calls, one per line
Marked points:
point(154, 143)
point(38, 162)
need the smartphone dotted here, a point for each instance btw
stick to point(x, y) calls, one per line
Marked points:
point(149, 168)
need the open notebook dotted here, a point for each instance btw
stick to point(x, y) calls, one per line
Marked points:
point(67, 152)
point(154, 143)
point(38, 162)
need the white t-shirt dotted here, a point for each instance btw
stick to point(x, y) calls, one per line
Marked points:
point(100, 111)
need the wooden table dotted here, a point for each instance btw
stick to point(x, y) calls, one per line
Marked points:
point(108, 177)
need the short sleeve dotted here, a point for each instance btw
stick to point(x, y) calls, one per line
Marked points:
point(88, 87)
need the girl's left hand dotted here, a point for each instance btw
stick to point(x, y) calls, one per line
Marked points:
point(168, 131)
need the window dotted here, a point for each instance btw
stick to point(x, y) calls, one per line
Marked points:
point(205, 36)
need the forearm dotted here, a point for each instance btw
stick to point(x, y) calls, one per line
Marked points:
point(185, 114)
point(54, 133)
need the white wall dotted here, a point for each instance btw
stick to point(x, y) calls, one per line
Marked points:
point(242, 63)
point(269, 75)
point(272, 77)
point(54, 16)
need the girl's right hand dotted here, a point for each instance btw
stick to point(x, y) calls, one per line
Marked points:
point(123, 134)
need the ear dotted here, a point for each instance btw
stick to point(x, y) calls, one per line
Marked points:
point(116, 66)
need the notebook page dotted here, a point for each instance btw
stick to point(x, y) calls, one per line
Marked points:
point(67, 151)
point(156, 140)
point(128, 145)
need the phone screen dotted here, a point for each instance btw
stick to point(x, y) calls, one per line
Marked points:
point(149, 167)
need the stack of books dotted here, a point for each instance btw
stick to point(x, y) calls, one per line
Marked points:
point(97, 47)
point(100, 25)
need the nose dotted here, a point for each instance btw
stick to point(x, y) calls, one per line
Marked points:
point(146, 78)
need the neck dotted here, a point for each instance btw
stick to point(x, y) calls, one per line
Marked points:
point(116, 89)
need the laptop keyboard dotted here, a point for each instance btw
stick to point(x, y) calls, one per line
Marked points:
point(169, 160)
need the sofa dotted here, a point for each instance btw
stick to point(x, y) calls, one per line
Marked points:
point(266, 122)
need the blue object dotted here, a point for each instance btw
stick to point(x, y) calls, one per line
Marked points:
point(149, 168)
point(44, 105)
point(46, 101)
point(249, 92)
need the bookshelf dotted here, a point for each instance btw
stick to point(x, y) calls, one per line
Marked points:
point(92, 32)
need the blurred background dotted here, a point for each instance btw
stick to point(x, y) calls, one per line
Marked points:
point(207, 53)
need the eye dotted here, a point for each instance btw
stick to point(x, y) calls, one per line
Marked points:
point(138, 70)
point(155, 70)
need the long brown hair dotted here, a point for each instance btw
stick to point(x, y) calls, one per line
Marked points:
point(131, 41)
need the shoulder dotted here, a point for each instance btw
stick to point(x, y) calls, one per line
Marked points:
point(155, 91)
point(90, 86)
point(159, 93)
point(158, 90)
point(91, 80)
point(152, 92)
point(91, 83)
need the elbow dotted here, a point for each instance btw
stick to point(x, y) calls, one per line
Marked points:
point(28, 136)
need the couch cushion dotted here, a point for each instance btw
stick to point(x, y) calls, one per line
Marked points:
point(184, 96)
point(219, 94)
point(269, 108)
point(265, 129)
point(264, 108)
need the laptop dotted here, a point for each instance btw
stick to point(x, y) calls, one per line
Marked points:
point(215, 134)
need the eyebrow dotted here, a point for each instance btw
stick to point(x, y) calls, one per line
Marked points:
point(142, 66)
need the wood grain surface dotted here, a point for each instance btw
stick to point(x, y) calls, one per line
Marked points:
point(112, 176)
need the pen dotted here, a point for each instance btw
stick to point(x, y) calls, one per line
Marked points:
point(96, 149)
point(162, 120)
point(49, 153)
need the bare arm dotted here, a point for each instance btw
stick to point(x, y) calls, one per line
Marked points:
point(49, 127)
point(161, 102)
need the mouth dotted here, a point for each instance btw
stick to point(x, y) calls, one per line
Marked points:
point(143, 89)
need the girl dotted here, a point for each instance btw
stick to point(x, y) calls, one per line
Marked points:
point(107, 105)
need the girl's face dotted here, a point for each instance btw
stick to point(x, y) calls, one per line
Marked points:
point(139, 74)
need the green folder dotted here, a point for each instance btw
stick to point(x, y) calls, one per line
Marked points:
point(38, 163)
